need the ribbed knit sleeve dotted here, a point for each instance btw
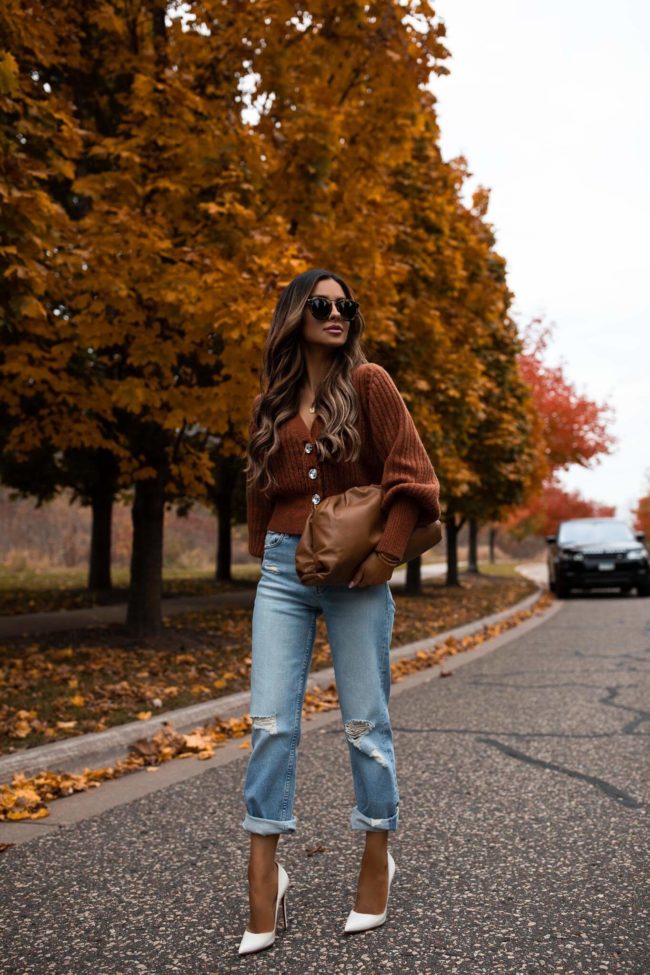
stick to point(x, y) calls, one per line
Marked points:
point(258, 511)
point(411, 488)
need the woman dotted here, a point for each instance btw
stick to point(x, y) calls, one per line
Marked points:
point(326, 420)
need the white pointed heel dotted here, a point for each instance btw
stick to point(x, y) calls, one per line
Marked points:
point(253, 941)
point(364, 922)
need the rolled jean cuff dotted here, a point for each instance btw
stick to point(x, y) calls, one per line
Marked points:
point(268, 827)
point(359, 821)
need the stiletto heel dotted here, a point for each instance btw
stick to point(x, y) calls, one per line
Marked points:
point(253, 941)
point(363, 922)
point(284, 912)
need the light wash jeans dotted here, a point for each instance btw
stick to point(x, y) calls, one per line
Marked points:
point(359, 627)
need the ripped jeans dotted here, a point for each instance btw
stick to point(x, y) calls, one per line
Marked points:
point(359, 627)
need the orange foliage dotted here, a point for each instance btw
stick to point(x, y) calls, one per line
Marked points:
point(575, 427)
point(542, 515)
point(573, 430)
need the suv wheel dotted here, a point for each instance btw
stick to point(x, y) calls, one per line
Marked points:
point(561, 590)
point(643, 589)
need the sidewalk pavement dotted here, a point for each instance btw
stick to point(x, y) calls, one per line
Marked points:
point(537, 572)
point(73, 619)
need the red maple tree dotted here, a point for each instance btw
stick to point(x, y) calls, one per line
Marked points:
point(576, 430)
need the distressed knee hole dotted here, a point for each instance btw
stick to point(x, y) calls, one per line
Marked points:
point(266, 722)
point(356, 732)
point(355, 729)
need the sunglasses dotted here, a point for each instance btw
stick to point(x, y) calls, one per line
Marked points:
point(321, 308)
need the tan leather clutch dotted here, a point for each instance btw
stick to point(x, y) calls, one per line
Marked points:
point(343, 529)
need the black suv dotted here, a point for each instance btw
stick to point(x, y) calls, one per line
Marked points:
point(597, 553)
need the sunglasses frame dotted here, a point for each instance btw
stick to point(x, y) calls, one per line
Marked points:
point(331, 304)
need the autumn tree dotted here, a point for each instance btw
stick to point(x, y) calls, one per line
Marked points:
point(456, 348)
point(575, 430)
point(171, 277)
point(339, 92)
point(551, 506)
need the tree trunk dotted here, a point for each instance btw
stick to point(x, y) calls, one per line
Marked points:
point(472, 556)
point(451, 530)
point(492, 543)
point(413, 583)
point(99, 568)
point(224, 537)
point(227, 471)
point(144, 611)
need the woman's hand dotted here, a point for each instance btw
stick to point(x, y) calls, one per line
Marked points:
point(371, 572)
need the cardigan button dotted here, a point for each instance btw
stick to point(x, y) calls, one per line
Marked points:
point(313, 473)
point(316, 498)
point(308, 448)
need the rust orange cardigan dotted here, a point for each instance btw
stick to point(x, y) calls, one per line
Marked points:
point(392, 455)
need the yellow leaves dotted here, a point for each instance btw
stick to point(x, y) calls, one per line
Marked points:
point(129, 395)
point(144, 715)
point(64, 167)
point(144, 473)
point(169, 186)
point(32, 308)
point(66, 725)
point(143, 87)
point(105, 19)
point(77, 700)
point(230, 208)
point(24, 802)
point(23, 723)
point(8, 73)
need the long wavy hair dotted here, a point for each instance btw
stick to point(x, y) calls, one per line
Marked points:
point(284, 371)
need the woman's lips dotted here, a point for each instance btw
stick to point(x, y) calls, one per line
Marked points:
point(334, 328)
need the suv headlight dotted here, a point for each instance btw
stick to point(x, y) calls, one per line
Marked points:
point(635, 553)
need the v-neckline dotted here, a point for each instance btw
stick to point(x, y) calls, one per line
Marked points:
point(308, 429)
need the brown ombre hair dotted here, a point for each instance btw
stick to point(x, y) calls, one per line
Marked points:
point(284, 371)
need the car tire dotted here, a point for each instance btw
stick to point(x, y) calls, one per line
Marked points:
point(643, 589)
point(562, 590)
point(551, 585)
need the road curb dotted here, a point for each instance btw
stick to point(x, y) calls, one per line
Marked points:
point(100, 749)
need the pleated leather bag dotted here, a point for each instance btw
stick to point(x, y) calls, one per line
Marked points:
point(343, 529)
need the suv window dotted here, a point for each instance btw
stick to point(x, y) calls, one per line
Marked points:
point(593, 532)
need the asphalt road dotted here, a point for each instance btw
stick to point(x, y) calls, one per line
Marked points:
point(523, 845)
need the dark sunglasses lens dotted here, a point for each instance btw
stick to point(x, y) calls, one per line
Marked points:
point(320, 308)
point(347, 308)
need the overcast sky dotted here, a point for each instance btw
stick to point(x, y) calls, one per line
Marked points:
point(549, 100)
